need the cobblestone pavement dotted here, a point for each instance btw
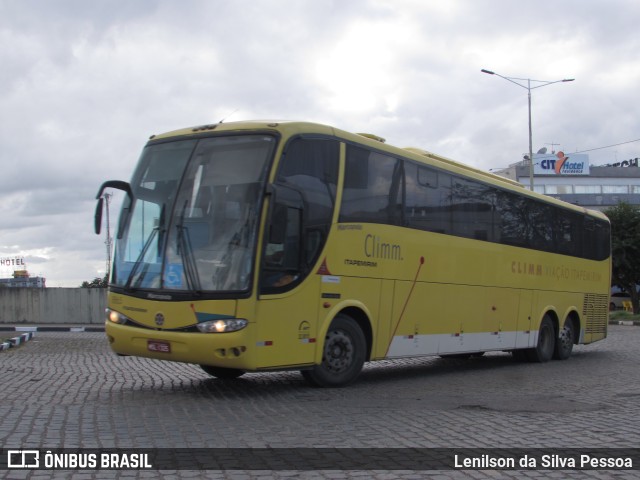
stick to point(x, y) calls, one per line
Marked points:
point(68, 390)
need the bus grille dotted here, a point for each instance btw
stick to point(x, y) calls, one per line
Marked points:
point(596, 311)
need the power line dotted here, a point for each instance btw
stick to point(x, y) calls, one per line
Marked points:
point(609, 146)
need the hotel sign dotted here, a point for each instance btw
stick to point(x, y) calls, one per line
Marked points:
point(561, 164)
point(12, 262)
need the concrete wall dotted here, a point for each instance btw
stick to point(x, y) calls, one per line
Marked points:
point(52, 305)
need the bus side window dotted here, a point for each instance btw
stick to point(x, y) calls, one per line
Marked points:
point(373, 187)
point(428, 199)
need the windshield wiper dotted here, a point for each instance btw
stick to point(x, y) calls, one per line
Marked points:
point(186, 254)
point(159, 230)
point(139, 260)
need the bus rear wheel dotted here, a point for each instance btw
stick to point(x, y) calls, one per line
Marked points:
point(565, 341)
point(545, 347)
point(222, 373)
point(343, 355)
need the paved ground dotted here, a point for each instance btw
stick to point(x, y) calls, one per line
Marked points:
point(66, 389)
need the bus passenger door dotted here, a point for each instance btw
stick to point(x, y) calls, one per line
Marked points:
point(286, 326)
point(287, 308)
point(301, 207)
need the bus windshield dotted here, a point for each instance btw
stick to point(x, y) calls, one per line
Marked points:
point(192, 222)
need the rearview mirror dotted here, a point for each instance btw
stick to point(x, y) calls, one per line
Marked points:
point(97, 218)
point(117, 184)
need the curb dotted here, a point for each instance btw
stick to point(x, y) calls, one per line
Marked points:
point(629, 323)
point(52, 329)
point(16, 341)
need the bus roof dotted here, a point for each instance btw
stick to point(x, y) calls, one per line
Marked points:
point(288, 127)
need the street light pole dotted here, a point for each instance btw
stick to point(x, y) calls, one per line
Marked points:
point(531, 167)
point(528, 87)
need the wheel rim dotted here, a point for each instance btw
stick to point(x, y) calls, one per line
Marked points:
point(338, 352)
point(566, 338)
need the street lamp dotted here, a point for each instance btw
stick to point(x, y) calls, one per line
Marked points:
point(528, 87)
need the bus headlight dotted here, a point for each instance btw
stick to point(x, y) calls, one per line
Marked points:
point(115, 317)
point(222, 326)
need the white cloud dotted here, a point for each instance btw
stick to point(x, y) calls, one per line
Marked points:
point(85, 83)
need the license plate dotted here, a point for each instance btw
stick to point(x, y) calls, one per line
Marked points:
point(158, 346)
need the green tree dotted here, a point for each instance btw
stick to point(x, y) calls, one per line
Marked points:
point(97, 283)
point(625, 249)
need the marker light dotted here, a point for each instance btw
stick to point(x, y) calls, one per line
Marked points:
point(222, 326)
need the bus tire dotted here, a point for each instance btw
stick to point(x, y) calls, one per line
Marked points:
point(543, 351)
point(343, 356)
point(222, 373)
point(565, 341)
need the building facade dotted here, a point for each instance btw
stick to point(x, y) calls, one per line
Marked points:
point(22, 279)
point(577, 182)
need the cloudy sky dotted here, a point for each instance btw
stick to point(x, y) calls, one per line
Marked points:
point(84, 84)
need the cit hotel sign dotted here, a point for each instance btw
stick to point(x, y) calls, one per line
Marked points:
point(11, 261)
point(561, 164)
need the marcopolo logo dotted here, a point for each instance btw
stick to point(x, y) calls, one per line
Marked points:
point(576, 164)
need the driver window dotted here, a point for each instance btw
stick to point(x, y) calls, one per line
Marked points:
point(309, 166)
point(282, 253)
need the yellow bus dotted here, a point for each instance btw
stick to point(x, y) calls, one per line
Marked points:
point(256, 246)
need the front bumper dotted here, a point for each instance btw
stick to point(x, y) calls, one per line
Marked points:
point(228, 350)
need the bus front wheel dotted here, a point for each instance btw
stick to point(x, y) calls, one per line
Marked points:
point(546, 345)
point(343, 355)
point(222, 373)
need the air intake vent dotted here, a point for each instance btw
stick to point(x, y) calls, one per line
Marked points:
point(373, 137)
point(596, 311)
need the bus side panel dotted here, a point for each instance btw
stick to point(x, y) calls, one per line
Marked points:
point(501, 308)
point(420, 318)
point(524, 335)
point(385, 320)
point(433, 319)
